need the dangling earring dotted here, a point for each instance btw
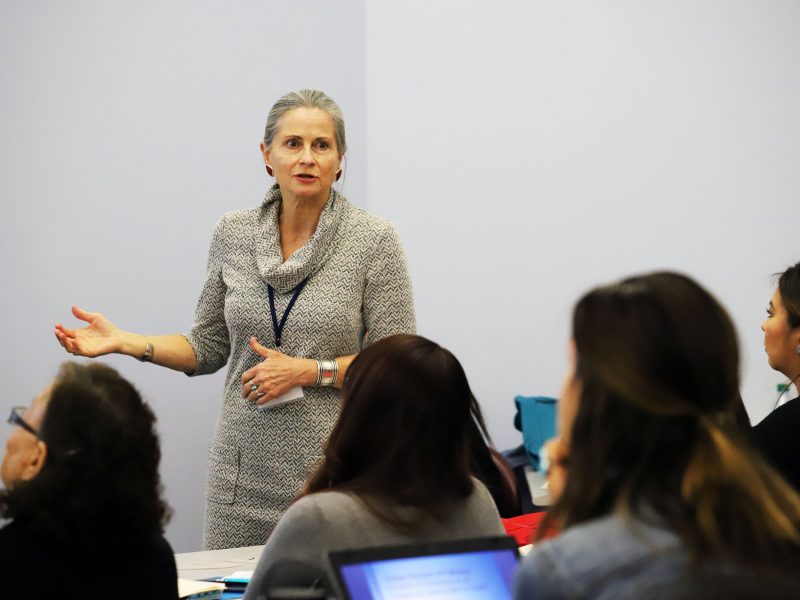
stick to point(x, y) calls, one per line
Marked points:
point(339, 174)
point(269, 169)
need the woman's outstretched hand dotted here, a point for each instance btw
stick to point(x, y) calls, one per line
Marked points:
point(99, 337)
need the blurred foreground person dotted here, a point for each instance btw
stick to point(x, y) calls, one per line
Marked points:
point(83, 494)
point(659, 494)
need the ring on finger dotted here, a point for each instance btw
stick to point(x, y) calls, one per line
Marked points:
point(259, 394)
point(253, 388)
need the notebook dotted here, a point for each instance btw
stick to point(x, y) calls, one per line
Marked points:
point(476, 569)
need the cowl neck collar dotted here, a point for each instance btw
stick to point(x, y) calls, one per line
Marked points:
point(285, 276)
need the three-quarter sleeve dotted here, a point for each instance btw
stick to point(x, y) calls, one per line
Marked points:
point(388, 305)
point(209, 336)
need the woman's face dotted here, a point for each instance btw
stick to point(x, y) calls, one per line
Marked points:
point(780, 339)
point(303, 154)
point(25, 453)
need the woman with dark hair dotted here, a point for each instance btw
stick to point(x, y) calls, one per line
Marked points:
point(397, 468)
point(83, 494)
point(777, 434)
point(658, 492)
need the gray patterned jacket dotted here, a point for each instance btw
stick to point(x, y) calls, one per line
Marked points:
point(358, 288)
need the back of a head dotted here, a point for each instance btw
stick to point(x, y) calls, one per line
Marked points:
point(100, 480)
point(403, 431)
point(660, 343)
point(656, 427)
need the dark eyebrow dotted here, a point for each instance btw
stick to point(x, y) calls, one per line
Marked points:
point(288, 136)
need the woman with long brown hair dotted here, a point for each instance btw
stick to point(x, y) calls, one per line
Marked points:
point(661, 494)
point(397, 468)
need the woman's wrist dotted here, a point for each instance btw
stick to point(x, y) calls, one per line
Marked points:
point(327, 373)
point(308, 372)
point(132, 344)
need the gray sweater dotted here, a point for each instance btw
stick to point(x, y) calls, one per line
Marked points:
point(296, 552)
point(358, 290)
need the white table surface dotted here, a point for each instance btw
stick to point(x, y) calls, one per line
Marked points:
point(217, 563)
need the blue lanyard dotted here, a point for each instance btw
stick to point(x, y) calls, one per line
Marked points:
point(277, 328)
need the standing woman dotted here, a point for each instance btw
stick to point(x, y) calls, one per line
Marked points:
point(294, 290)
point(777, 434)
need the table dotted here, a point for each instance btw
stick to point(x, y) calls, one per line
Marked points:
point(217, 563)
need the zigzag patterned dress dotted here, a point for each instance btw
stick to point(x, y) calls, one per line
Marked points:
point(358, 287)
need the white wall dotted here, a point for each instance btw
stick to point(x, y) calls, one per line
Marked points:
point(126, 130)
point(530, 150)
point(525, 150)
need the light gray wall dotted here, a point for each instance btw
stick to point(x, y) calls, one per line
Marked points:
point(127, 130)
point(530, 150)
point(525, 150)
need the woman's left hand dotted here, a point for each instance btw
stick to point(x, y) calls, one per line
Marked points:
point(276, 374)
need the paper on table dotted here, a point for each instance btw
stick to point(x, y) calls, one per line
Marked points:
point(221, 563)
point(523, 550)
point(188, 587)
point(206, 566)
point(296, 393)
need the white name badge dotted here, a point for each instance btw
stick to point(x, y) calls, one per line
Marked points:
point(295, 393)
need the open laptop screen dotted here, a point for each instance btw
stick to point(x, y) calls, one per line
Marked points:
point(481, 569)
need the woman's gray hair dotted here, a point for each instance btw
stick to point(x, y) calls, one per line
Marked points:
point(306, 99)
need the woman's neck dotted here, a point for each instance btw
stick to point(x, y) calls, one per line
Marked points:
point(298, 221)
point(794, 378)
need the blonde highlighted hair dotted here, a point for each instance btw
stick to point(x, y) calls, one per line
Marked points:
point(661, 432)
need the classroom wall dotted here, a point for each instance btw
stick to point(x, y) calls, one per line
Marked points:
point(525, 150)
point(128, 129)
point(528, 151)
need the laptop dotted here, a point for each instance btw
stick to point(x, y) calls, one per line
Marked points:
point(475, 569)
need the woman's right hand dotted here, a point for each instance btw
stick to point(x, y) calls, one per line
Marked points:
point(99, 337)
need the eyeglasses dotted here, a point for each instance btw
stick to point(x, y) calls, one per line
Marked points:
point(15, 418)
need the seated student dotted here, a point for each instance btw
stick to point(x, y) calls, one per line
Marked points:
point(658, 493)
point(83, 494)
point(777, 435)
point(396, 469)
